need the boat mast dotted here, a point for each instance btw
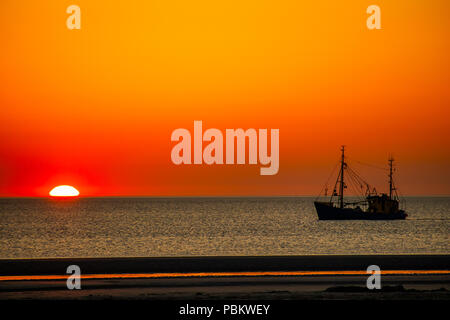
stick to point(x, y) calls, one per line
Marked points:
point(391, 188)
point(341, 182)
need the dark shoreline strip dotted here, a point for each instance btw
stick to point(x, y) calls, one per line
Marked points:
point(223, 264)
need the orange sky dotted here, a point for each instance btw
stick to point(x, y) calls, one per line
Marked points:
point(95, 107)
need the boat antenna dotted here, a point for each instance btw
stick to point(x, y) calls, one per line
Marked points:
point(341, 182)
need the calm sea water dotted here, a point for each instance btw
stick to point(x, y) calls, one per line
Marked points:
point(120, 227)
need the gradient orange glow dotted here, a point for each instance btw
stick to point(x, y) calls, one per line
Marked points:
point(95, 107)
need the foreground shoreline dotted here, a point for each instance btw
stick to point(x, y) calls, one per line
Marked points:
point(223, 264)
point(332, 285)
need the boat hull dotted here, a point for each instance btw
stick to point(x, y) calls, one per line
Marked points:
point(327, 211)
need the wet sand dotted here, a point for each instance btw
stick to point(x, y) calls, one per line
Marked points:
point(328, 286)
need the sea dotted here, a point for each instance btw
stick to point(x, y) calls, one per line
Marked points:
point(194, 226)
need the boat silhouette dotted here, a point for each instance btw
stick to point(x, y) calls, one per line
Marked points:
point(374, 206)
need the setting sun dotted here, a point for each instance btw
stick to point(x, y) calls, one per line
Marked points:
point(64, 191)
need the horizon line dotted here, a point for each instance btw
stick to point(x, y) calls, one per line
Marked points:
point(208, 196)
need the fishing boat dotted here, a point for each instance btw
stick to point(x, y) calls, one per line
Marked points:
point(372, 206)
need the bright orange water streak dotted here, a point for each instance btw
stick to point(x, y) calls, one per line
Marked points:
point(219, 274)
